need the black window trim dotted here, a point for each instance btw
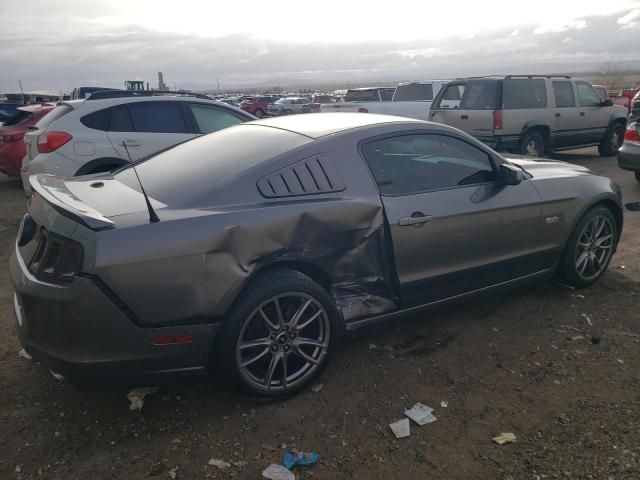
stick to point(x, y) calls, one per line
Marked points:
point(493, 160)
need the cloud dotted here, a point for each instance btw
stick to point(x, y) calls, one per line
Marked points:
point(94, 53)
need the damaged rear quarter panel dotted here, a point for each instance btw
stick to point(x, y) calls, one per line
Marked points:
point(200, 258)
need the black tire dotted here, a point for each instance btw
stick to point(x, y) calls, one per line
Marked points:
point(637, 175)
point(612, 141)
point(245, 322)
point(532, 144)
point(570, 260)
point(259, 113)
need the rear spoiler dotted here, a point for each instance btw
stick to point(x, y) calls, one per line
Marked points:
point(53, 190)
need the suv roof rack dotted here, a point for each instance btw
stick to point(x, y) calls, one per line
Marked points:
point(104, 94)
point(512, 76)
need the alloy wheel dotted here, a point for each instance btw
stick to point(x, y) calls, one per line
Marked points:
point(594, 248)
point(283, 342)
point(532, 148)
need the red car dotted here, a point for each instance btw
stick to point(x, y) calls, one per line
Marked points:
point(12, 147)
point(257, 106)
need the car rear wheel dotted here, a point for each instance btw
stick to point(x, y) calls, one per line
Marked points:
point(590, 247)
point(532, 144)
point(278, 336)
point(259, 113)
point(612, 141)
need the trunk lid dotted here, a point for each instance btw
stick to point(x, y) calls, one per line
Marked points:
point(93, 201)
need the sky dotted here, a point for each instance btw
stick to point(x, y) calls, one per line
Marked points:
point(56, 45)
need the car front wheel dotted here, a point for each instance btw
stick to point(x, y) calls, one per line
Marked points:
point(259, 113)
point(590, 247)
point(278, 336)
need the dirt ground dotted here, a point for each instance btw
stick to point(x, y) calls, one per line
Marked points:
point(526, 362)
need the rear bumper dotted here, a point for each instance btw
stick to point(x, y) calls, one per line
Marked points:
point(500, 142)
point(79, 332)
point(629, 157)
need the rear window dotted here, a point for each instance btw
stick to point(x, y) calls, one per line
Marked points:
point(17, 119)
point(524, 93)
point(414, 92)
point(480, 95)
point(207, 162)
point(362, 96)
point(53, 115)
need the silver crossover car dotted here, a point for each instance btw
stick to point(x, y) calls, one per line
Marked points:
point(258, 246)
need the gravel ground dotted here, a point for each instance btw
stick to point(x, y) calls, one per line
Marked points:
point(512, 362)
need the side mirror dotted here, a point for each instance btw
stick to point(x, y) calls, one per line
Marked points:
point(606, 103)
point(511, 175)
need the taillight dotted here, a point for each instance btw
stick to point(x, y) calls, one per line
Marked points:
point(363, 110)
point(57, 259)
point(497, 120)
point(51, 141)
point(631, 133)
point(16, 137)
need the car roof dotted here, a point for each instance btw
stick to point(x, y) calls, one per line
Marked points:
point(316, 125)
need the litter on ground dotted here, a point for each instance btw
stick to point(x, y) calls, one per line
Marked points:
point(503, 438)
point(278, 472)
point(136, 396)
point(421, 414)
point(214, 462)
point(401, 428)
point(23, 353)
point(290, 459)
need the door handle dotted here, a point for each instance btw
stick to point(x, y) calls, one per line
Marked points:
point(464, 117)
point(131, 143)
point(557, 114)
point(415, 219)
point(582, 114)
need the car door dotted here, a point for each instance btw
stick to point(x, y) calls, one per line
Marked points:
point(445, 108)
point(566, 124)
point(147, 127)
point(593, 117)
point(455, 227)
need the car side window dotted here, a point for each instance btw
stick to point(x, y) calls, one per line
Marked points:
point(563, 91)
point(211, 119)
point(587, 95)
point(409, 164)
point(120, 120)
point(158, 117)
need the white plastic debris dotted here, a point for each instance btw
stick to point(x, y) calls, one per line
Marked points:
point(317, 387)
point(444, 404)
point(278, 472)
point(173, 473)
point(586, 317)
point(57, 376)
point(401, 428)
point(506, 437)
point(23, 353)
point(421, 414)
point(214, 462)
point(136, 396)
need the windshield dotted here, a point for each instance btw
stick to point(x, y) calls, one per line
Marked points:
point(414, 92)
point(207, 162)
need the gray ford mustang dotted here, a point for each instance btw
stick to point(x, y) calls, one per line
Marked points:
point(263, 243)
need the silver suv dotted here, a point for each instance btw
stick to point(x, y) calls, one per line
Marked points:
point(81, 137)
point(531, 114)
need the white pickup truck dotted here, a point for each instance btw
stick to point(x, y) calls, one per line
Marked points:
point(409, 99)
